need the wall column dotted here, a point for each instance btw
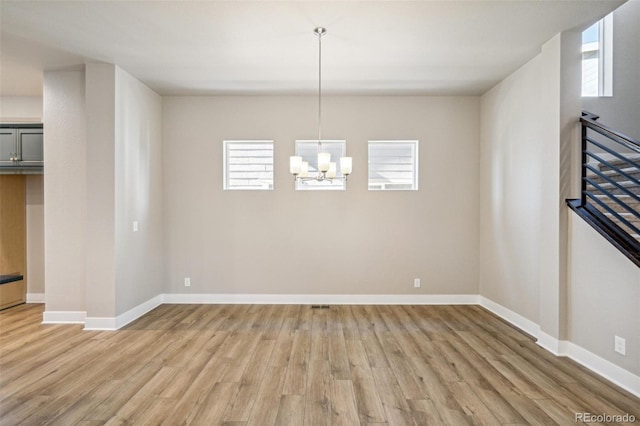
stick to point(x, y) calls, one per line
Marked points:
point(65, 195)
point(100, 177)
point(561, 101)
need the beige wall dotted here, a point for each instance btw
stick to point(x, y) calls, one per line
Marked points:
point(100, 257)
point(512, 166)
point(528, 136)
point(604, 297)
point(536, 259)
point(23, 109)
point(138, 192)
point(352, 242)
point(104, 171)
point(65, 197)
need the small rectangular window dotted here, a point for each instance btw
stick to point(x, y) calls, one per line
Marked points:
point(308, 150)
point(393, 165)
point(597, 58)
point(248, 165)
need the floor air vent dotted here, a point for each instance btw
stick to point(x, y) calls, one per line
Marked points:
point(319, 306)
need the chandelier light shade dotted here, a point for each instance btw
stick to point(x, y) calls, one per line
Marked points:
point(324, 161)
point(327, 170)
point(345, 165)
point(295, 165)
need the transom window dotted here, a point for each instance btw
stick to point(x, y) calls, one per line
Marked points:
point(393, 165)
point(248, 164)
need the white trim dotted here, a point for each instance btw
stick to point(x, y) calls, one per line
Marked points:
point(100, 323)
point(225, 164)
point(511, 317)
point(615, 374)
point(334, 299)
point(138, 311)
point(63, 317)
point(618, 375)
point(414, 144)
point(551, 344)
point(111, 323)
point(605, 80)
point(35, 297)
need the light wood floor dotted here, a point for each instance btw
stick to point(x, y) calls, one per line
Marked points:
point(290, 364)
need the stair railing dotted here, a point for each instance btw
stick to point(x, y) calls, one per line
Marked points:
point(610, 185)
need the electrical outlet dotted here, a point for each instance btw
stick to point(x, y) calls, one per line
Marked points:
point(135, 226)
point(187, 282)
point(619, 345)
point(416, 282)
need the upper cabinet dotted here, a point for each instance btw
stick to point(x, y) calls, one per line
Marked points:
point(21, 148)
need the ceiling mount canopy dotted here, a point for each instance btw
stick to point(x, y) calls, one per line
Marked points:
point(326, 168)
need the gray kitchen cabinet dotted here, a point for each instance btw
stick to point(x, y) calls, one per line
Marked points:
point(21, 148)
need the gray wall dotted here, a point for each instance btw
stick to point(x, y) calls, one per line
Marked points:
point(296, 242)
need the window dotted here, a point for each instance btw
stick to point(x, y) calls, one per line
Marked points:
point(597, 58)
point(308, 150)
point(248, 165)
point(393, 165)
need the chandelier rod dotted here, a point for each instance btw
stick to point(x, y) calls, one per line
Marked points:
point(319, 31)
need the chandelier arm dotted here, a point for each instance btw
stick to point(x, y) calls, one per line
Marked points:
point(319, 178)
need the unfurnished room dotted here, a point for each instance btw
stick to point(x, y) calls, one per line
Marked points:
point(320, 212)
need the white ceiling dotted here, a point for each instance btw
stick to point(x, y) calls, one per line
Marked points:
point(246, 47)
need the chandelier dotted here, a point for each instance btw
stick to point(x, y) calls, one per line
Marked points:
point(326, 168)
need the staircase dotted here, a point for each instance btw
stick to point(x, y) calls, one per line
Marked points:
point(621, 196)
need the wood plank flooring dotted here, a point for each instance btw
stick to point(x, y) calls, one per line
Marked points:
point(292, 365)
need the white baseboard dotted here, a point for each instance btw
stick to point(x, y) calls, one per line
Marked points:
point(618, 375)
point(63, 317)
point(115, 323)
point(100, 323)
point(551, 344)
point(326, 299)
point(138, 311)
point(511, 317)
point(621, 377)
point(35, 297)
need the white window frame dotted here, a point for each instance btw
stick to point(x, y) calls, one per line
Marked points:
point(227, 186)
point(604, 48)
point(337, 151)
point(389, 186)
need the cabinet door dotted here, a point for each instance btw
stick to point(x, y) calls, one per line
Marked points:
point(30, 147)
point(7, 146)
point(13, 238)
